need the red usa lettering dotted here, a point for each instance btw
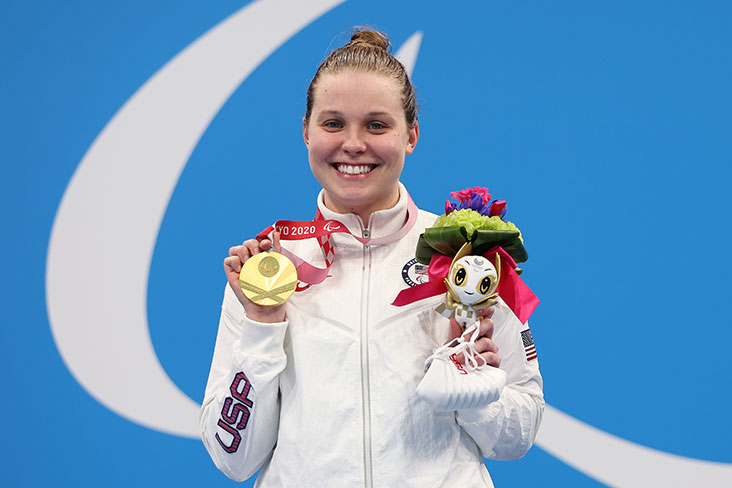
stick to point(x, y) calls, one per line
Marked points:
point(454, 359)
point(235, 412)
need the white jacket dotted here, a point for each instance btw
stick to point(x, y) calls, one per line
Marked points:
point(327, 398)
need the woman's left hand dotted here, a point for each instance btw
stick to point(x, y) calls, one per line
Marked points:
point(484, 345)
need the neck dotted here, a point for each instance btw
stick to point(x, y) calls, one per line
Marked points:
point(363, 211)
point(385, 222)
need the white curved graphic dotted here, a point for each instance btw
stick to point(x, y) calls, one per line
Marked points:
point(107, 224)
point(106, 227)
point(618, 462)
point(407, 54)
point(330, 226)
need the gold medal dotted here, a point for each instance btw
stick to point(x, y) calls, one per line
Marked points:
point(268, 278)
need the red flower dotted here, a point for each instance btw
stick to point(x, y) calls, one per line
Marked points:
point(464, 195)
point(498, 207)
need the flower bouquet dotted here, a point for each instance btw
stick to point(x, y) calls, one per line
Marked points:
point(475, 219)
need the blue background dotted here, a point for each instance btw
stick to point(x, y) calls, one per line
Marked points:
point(606, 127)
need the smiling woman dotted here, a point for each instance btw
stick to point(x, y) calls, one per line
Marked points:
point(322, 390)
point(357, 138)
point(360, 121)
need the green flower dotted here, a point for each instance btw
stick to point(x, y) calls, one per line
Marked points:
point(472, 221)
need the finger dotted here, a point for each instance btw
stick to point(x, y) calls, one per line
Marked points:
point(265, 244)
point(234, 250)
point(485, 345)
point(486, 327)
point(487, 312)
point(460, 358)
point(241, 253)
point(491, 359)
point(469, 333)
point(252, 246)
point(232, 263)
point(455, 330)
point(276, 241)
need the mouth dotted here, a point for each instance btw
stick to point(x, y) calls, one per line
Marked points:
point(353, 169)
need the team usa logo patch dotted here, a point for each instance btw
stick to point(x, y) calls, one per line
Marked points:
point(414, 273)
point(529, 346)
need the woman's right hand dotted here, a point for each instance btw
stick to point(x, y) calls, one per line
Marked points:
point(232, 266)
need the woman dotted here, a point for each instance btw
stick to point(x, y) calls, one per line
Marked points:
point(320, 391)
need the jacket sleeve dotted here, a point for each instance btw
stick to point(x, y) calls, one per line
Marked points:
point(506, 428)
point(240, 413)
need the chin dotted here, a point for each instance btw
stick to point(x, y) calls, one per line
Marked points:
point(356, 200)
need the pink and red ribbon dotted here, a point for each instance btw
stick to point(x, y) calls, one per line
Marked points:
point(322, 229)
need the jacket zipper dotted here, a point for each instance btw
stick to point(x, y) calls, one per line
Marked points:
point(365, 381)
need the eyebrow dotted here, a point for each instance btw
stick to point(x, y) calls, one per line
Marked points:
point(370, 114)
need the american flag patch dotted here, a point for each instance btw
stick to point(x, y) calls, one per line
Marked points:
point(529, 347)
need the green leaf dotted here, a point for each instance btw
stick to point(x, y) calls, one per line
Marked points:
point(449, 240)
point(484, 240)
point(446, 240)
point(424, 251)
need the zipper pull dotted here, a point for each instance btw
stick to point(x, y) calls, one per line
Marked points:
point(366, 233)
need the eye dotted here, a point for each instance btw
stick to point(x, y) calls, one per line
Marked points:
point(485, 285)
point(332, 124)
point(459, 275)
point(376, 126)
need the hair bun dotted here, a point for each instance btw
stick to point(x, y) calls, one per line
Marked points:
point(368, 52)
point(370, 37)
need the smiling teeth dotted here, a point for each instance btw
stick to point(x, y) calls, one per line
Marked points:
point(350, 169)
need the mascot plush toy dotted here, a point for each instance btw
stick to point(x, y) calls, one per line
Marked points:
point(471, 286)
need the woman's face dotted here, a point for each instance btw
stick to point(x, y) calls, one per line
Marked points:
point(357, 138)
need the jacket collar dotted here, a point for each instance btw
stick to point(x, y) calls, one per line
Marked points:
point(381, 223)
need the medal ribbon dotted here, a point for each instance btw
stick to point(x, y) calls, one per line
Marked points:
point(322, 229)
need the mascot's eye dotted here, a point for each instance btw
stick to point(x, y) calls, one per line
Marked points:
point(460, 275)
point(484, 285)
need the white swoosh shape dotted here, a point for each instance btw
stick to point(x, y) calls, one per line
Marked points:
point(107, 224)
point(407, 54)
point(618, 462)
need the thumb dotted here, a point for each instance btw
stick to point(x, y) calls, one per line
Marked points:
point(455, 329)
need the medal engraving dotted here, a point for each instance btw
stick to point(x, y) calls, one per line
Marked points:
point(269, 266)
point(268, 279)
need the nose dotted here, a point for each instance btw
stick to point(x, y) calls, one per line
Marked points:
point(354, 142)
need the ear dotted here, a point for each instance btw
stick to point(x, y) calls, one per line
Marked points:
point(305, 135)
point(413, 138)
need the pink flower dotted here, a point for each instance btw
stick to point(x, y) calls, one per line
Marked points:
point(483, 192)
point(464, 195)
